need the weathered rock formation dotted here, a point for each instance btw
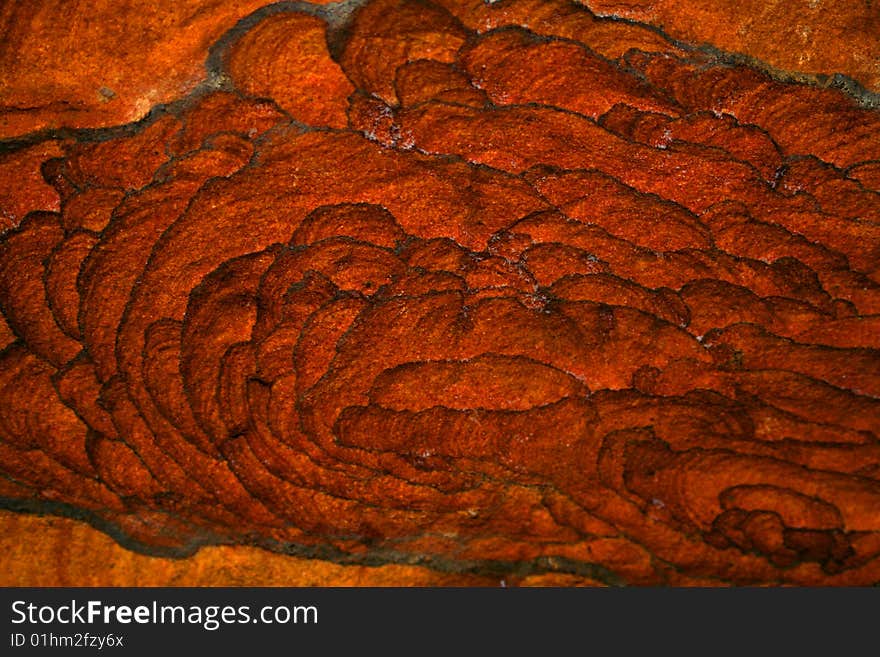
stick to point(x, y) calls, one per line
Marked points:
point(467, 284)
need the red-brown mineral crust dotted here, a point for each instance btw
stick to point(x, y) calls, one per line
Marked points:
point(465, 283)
point(800, 36)
point(98, 63)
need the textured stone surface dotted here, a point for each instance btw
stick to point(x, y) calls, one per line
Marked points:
point(452, 287)
point(800, 36)
point(89, 64)
point(63, 552)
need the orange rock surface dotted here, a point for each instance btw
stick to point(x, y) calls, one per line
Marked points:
point(64, 552)
point(814, 37)
point(489, 288)
point(88, 64)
